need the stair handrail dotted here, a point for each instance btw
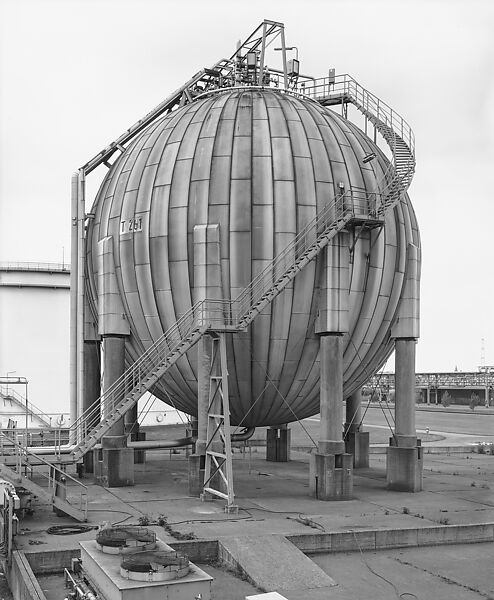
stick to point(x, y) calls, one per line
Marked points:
point(20, 399)
point(22, 452)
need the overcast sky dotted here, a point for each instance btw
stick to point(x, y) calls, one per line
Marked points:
point(75, 74)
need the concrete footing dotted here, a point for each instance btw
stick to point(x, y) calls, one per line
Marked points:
point(196, 474)
point(278, 444)
point(331, 476)
point(404, 468)
point(114, 462)
point(357, 444)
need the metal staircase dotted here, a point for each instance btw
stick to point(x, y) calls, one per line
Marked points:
point(54, 485)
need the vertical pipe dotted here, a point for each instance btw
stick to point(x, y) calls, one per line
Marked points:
point(80, 291)
point(74, 264)
point(263, 54)
point(283, 53)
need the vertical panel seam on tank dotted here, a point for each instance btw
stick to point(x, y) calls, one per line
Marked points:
point(152, 299)
point(359, 358)
point(281, 408)
point(120, 167)
point(134, 330)
point(282, 370)
point(384, 345)
point(212, 105)
point(118, 271)
point(92, 234)
point(267, 377)
point(317, 266)
point(208, 102)
point(134, 241)
point(225, 296)
point(252, 357)
point(165, 326)
point(275, 253)
point(184, 357)
point(248, 331)
point(327, 116)
point(233, 357)
point(373, 313)
point(229, 339)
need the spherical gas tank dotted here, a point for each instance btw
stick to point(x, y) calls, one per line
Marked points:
point(251, 167)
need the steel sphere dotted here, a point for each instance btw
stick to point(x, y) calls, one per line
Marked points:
point(259, 163)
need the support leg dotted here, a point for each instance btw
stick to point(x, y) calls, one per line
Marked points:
point(118, 460)
point(331, 470)
point(197, 459)
point(404, 457)
point(92, 390)
point(278, 444)
point(356, 440)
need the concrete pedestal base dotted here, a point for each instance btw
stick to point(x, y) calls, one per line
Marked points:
point(357, 444)
point(114, 463)
point(278, 444)
point(404, 468)
point(88, 462)
point(331, 476)
point(196, 474)
point(139, 455)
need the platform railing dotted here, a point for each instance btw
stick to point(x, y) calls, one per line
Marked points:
point(32, 409)
point(52, 479)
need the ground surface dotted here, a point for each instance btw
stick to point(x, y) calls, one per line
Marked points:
point(458, 488)
point(440, 573)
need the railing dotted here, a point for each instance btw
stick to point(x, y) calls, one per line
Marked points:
point(32, 409)
point(433, 380)
point(347, 86)
point(35, 266)
point(53, 481)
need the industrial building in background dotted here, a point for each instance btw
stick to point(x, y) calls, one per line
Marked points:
point(252, 258)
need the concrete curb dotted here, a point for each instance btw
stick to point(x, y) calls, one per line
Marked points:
point(382, 539)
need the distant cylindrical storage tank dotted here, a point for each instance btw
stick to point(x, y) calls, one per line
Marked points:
point(260, 164)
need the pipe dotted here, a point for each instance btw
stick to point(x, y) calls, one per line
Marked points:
point(243, 436)
point(73, 295)
point(81, 217)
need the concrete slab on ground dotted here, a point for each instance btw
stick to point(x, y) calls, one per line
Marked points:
point(272, 563)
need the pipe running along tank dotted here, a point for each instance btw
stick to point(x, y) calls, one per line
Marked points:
point(254, 166)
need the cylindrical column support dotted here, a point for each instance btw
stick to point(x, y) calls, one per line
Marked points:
point(353, 411)
point(130, 421)
point(203, 383)
point(113, 368)
point(331, 394)
point(92, 389)
point(405, 431)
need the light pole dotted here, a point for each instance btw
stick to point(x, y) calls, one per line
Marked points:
point(9, 373)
